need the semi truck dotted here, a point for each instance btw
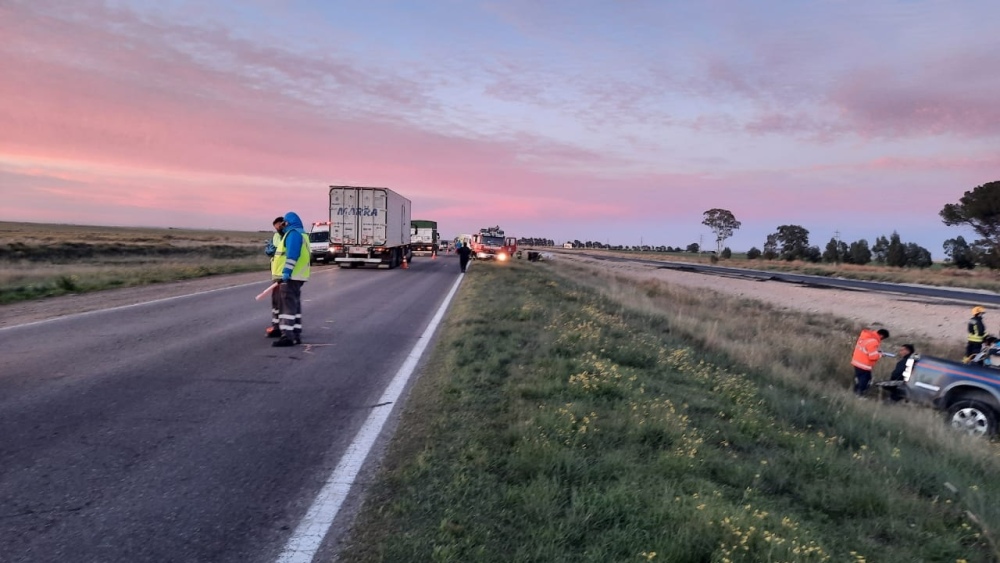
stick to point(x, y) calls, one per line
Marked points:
point(491, 244)
point(369, 226)
point(424, 237)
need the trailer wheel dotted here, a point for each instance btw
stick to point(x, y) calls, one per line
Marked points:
point(974, 418)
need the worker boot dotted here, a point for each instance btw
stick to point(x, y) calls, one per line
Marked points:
point(285, 341)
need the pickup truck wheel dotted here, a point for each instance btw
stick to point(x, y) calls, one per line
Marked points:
point(973, 418)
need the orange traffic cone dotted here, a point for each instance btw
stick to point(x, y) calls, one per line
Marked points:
point(406, 266)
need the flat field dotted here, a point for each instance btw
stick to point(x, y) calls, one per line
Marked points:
point(43, 260)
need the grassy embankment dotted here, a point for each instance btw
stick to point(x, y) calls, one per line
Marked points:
point(571, 415)
point(939, 274)
point(39, 260)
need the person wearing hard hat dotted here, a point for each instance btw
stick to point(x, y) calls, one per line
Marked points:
point(977, 331)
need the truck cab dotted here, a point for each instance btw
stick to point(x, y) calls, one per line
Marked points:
point(491, 244)
point(968, 394)
point(319, 242)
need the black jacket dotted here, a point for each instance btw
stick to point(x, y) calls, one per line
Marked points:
point(897, 372)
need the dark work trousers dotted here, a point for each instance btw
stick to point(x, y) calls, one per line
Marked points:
point(290, 311)
point(862, 378)
point(275, 306)
point(973, 348)
point(463, 261)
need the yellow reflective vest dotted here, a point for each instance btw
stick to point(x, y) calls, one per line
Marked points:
point(300, 270)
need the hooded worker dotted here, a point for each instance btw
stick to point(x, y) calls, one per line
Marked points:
point(977, 331)
point(291, 264)
point(866, 355)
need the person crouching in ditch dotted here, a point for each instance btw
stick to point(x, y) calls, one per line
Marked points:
point(905, 351)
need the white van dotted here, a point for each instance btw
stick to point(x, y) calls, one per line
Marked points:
point(319, 242)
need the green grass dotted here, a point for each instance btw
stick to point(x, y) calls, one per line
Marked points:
point(568, 415)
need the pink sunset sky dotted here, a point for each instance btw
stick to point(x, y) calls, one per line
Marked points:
point(592, 120)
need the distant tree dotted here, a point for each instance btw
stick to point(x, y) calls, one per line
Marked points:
point(917, 256)
point(753, 253)
point(832, 252)
point(727, 253)
point(880, 250)
point(979, 208)
point(860, 253)
point(771, 247)
point(960, 253)
point(896, 252)
point(812, 254)
point(577, 244)
point(844, 252)
point(794, 241)
point(693, 247)
point(723, 223)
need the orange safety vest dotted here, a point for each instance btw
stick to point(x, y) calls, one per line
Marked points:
point(866, 351)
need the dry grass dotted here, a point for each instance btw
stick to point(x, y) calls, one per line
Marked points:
point(40, 260)
point(938, 275)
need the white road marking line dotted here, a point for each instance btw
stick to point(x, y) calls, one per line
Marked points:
point(308, 536)
point(163, 300)
point(120, 307)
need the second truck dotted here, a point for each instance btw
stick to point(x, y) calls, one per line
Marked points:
point(491, 244)
point(424, 237)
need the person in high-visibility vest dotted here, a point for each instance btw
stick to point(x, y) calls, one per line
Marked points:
point(273, 331)
point(866, 355)
point(977, 331)
point(291, 263)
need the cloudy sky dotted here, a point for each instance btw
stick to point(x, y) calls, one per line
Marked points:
point(615, 121)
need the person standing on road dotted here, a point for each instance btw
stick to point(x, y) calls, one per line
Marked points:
point(866, 355)
point(291, 265)
point(273, 331)
point(464, 252)
point(977, 331)
point(905, 351)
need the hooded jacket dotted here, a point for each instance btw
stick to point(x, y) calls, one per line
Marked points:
point(866, 352)
point(294, 249)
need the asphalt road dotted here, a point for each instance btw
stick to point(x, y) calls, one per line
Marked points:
point(173, 431)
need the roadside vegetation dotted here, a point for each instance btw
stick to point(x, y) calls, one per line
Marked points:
point(40, 260)
point(575, 414)
point(937, 274)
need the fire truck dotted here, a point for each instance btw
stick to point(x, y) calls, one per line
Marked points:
point(491, 244)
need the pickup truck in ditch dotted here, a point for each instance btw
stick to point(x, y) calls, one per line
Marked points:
point(968, 393)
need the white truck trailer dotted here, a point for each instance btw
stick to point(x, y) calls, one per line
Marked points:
point(369, 226)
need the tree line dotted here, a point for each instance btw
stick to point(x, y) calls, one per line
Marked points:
point(979, 208)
